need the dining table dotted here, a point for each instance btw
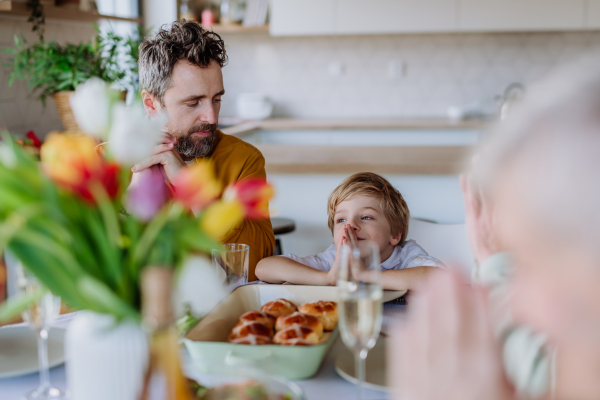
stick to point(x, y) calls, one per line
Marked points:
point(325, 384)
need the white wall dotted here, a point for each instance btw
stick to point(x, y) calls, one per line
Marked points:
point(304, 199)
point(157, 13)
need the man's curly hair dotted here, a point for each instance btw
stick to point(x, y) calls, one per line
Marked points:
point(185, 40)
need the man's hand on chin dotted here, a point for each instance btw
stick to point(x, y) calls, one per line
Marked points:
point(165, 155)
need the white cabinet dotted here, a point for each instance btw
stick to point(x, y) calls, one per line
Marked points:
point(395, 16)
point(593, 15)
point(302, 17)
point(341, 17)
point(521, 15)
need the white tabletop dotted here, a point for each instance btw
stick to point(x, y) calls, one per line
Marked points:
point(326, 384)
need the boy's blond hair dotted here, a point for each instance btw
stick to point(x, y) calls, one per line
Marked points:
point(369, 184)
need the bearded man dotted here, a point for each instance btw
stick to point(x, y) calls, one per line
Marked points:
point(180, 74)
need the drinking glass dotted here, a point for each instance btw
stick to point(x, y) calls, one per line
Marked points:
point(361, 294)
point(39, 317)
point(231, 264)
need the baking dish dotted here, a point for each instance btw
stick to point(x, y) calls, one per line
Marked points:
point(211, 353)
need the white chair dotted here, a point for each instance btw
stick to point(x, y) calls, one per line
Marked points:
point(446, 242)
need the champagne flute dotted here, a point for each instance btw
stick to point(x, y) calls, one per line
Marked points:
point(361, 308)
point(39, 317)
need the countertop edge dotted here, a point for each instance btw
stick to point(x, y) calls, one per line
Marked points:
point(366, 123)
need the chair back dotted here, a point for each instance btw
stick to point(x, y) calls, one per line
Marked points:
point(448, 243)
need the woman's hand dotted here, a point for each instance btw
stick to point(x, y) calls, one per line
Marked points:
point(446, 349)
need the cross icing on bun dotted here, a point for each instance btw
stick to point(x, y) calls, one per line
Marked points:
point(298, 318)
point(296, 331)
point(250, 328)
point(257, 316)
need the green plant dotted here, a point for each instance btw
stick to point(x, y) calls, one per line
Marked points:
point(50, 67)
point(37, 17)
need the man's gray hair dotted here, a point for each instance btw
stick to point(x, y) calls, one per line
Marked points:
point(183, 40)
point(551, 145)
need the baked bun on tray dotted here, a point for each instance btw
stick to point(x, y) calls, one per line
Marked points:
point(257, 316)
point(279, 307)
point(294, 332)
point(298, 318)
point(250, 328)
point(326, 311)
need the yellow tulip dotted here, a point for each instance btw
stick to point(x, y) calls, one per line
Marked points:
point(220, 217)
point(67, 158)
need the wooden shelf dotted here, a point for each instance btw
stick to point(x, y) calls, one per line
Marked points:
point(295, 159)
point(8, 7)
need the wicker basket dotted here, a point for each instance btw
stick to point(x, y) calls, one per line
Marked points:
point(64, 110)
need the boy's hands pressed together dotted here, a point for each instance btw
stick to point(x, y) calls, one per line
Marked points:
point(335, 267)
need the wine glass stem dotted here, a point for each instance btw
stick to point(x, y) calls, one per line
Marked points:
point(360, 369)
point(43, 358)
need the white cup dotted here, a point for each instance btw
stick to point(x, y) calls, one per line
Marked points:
point(254, 106)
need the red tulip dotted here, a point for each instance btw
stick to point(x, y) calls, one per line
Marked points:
point(35, 141)
point(72, 162)
point(253, 194)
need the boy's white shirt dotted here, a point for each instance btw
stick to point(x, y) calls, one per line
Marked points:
point(407, 255)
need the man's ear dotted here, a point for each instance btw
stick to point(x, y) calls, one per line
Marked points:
point(395, 239)
point(151, 104)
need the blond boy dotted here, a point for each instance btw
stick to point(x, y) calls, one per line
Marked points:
point(365, 206)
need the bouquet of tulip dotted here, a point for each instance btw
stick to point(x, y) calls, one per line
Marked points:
point(77, 224)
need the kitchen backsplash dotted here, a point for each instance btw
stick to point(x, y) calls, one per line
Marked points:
point(391, 75)
point(342, 76)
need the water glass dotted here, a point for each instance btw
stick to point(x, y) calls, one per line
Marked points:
point(39, 317)
point(231, 264)
point(361, 308)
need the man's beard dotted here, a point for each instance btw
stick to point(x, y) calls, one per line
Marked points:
point(190, 145)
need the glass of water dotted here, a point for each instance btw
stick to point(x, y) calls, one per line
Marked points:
point(231, 264)
point(39, 317)
point(361, 293)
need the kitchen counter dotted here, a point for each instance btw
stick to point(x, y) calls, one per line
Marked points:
point(435, 146)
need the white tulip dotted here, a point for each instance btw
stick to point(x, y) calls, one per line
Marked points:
point(199, 286)
point(91, 106)
point(133, 135)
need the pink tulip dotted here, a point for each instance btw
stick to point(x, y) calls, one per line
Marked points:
point(148, 193)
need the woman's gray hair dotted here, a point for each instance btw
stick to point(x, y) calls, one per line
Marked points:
point(551, 146)
point(183, 40)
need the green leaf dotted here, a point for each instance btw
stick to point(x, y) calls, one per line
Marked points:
point(104, 300)
point(18, 304)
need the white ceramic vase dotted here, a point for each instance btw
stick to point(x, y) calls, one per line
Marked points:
point(105, 359)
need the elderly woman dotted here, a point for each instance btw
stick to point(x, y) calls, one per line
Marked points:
point(535, 193)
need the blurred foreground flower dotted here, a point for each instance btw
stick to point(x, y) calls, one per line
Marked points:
point(133, 135)
point(245, 199)
point(147, 194)
point(91, 104)
point(196, 187)
point(72, 162)
point(220, 217)
point(253, 195)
